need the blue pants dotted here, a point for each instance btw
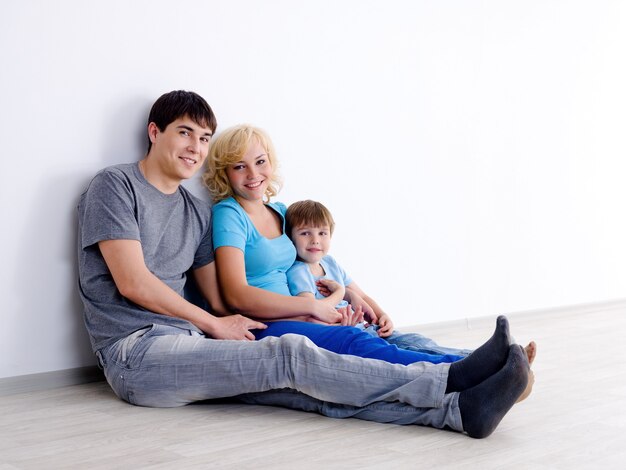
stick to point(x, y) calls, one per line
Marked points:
point(351, 340)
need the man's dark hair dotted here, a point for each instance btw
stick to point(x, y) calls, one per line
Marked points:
point(180, 103)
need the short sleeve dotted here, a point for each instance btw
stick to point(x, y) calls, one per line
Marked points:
point(229, 228)
point(337, 272)
point(204, 254)
point(300, 279)
point(107, 210)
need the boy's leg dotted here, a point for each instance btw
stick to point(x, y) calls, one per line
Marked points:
point(417, 342)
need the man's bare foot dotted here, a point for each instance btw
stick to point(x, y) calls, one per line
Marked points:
point(531, 352)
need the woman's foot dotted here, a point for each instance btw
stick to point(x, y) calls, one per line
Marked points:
point(531, 352)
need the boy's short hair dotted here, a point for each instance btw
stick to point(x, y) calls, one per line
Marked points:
point(180, 103)
point(308, 212)
point(229, 148)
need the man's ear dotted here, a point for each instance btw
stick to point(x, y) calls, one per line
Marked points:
point(153, 130)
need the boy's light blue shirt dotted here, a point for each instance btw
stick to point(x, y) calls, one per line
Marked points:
point(301, 279)
point(267, 260)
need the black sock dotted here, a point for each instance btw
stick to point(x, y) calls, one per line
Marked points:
point(482, 407)
point(482, 363)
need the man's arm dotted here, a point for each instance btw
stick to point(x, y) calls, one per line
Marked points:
point(125, 261)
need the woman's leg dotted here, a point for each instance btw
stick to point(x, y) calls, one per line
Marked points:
point(350, 340)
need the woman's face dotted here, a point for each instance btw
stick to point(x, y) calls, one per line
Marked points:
point(251, 176)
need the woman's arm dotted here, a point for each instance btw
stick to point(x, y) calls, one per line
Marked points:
point(251, 301)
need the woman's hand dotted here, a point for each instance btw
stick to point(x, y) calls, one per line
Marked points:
point(349, 316)
point(325, 312)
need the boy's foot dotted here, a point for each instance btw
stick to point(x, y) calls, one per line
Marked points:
point(482, 407)
point(483, 362)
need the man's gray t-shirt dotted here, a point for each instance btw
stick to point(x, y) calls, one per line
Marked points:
point(175, 235)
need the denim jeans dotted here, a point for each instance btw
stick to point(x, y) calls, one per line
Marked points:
point(415, 342)
point(163, 366)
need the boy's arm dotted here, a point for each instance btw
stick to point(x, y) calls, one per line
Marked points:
point(133, 279)
point(381, 318)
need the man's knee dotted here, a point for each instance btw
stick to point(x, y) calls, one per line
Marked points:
point(294, 345)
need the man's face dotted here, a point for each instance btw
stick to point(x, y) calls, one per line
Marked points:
point(180, 149)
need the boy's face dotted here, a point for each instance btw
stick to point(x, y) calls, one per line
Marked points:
point(312, 243)
point(181, 148)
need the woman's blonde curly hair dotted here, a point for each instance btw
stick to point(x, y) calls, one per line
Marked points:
point(229, 148)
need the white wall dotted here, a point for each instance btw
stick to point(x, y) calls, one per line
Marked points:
point(471, 151)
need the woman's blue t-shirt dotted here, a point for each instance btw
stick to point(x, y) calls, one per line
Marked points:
point(267, 260)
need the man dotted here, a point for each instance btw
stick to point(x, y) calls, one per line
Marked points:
point(140, 232)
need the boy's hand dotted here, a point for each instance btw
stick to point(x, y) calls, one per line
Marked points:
point(328, 286)
point(385, 326)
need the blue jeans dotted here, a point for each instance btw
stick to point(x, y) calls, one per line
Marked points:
point(351, 340)
point(415, 342)
point(163, 366)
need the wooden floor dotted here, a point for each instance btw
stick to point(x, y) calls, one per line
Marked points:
point(573, 420)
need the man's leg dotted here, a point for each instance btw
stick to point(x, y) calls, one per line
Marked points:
point(381, 412)
point(165, 367)
point(161, 368)
point(482, 407)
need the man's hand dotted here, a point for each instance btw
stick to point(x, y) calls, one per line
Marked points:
point(233, 327)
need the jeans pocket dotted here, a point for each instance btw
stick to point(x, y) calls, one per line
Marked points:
point(133, 350)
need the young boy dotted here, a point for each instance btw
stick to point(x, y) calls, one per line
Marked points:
point(310, 226)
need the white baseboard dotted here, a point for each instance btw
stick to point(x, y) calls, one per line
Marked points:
point(482, 321)
point(49, 380)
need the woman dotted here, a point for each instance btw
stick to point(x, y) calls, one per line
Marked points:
point(253, 253)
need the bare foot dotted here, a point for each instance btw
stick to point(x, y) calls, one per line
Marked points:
point(529, 387)
point(531, 352)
